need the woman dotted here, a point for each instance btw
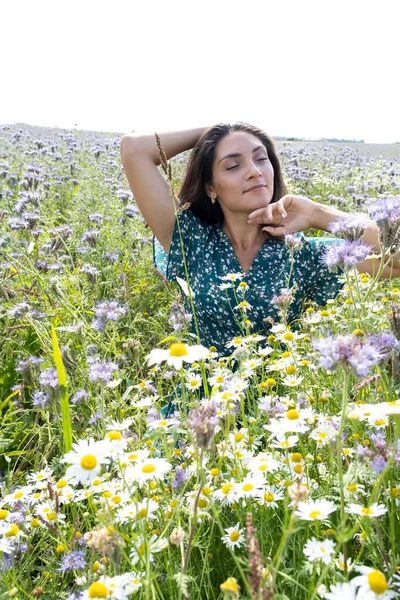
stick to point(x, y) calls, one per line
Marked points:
point(238, 215)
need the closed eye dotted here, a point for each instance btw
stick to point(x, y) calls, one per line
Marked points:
point(234, 167)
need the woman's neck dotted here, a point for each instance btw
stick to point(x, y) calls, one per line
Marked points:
point(243, 237)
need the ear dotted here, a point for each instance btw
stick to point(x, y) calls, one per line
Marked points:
point(210, 190)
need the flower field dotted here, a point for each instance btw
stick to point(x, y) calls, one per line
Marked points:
point(136, 463)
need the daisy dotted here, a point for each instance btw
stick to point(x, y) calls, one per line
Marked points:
point(193, 381)
point(234, 537)
point(265, 351)
point(323, 435)
point(152, 545)
point(339, 562)
point(292, 381)
point(40, 478)
point(373, 584)
point(178, 353)
point(162, 424)
point(262, 463)
point(379, 421)
point(227, 494)
point(284, 443)
point(22, 494)
point(244, 305)
point(250, 487)
point(86, 459)
point(271, 495)
point(232, 277)
point(315, 550)
point(342, 591)
point(375, 510)
point(149, 469)
point(315, 510)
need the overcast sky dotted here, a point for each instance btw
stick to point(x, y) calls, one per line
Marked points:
point(294, 68)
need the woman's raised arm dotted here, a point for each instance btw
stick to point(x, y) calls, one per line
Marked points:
point(140, 160)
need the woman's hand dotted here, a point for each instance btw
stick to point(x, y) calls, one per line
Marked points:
point(290, 214)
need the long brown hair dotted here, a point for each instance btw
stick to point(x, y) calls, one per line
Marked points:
point(199, 171)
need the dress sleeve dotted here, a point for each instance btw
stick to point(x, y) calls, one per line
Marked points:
point(194, 234)
point(322, 283)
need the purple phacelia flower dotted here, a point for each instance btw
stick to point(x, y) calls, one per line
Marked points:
point(49, 378)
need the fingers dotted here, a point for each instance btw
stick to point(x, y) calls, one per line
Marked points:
point(275, 231)
point(271, 213)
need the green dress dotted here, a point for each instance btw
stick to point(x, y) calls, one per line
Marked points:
point(210, 256)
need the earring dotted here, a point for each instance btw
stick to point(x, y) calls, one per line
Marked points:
point(213, 200)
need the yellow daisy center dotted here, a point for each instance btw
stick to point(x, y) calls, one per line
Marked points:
point(178, 349)
point(377, 582)
point(269, 497)
point(288, 336)
point(14, 529)
point(61, 483)
point(114, 435)
point(88, 462)
point(367, 511)
point(234, 536)
point(18, 495)
point(148, 468)
point(97, 590)
point(292, 414)
point(248, 487)
point(226, 488)
point(142, 513)
point(3, 514)
point(315, 514)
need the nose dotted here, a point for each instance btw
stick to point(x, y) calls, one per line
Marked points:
point(254, 170)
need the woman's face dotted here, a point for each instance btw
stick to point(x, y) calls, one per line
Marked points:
point(233, 176)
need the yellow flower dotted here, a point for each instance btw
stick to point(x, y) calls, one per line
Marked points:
point(230, 586)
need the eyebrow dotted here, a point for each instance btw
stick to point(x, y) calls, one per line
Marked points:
point(236, 154)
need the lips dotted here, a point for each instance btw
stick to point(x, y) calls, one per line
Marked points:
point(255, 187)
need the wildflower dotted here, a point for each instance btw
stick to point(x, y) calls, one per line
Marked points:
point(349, 352)
point(234, 537)
point(40, 399)
point(244, 305)
point(102, 539)
point(101, 370)
point(250, 487)
point(231, 587)
point(315, 550)
point(346, 255)
point(180, 477)
point(293, 242)
point(315, 510)
point(91, 237)
point(227, 494)
point(342, 591)
point(73, 561)
point(203, 422)
point(271, 495)
point(86, 459)
point(177, 535)
point(148, 469)
point(386, 212)
point(177, 354)
point(107, 311)
point(232, 277)
point(373, 584)
point(375, 510)
point(49, 378)
point(264, 462)
point(351, 227)
point(193, 381)
point(284, 299)
point(79, 396)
